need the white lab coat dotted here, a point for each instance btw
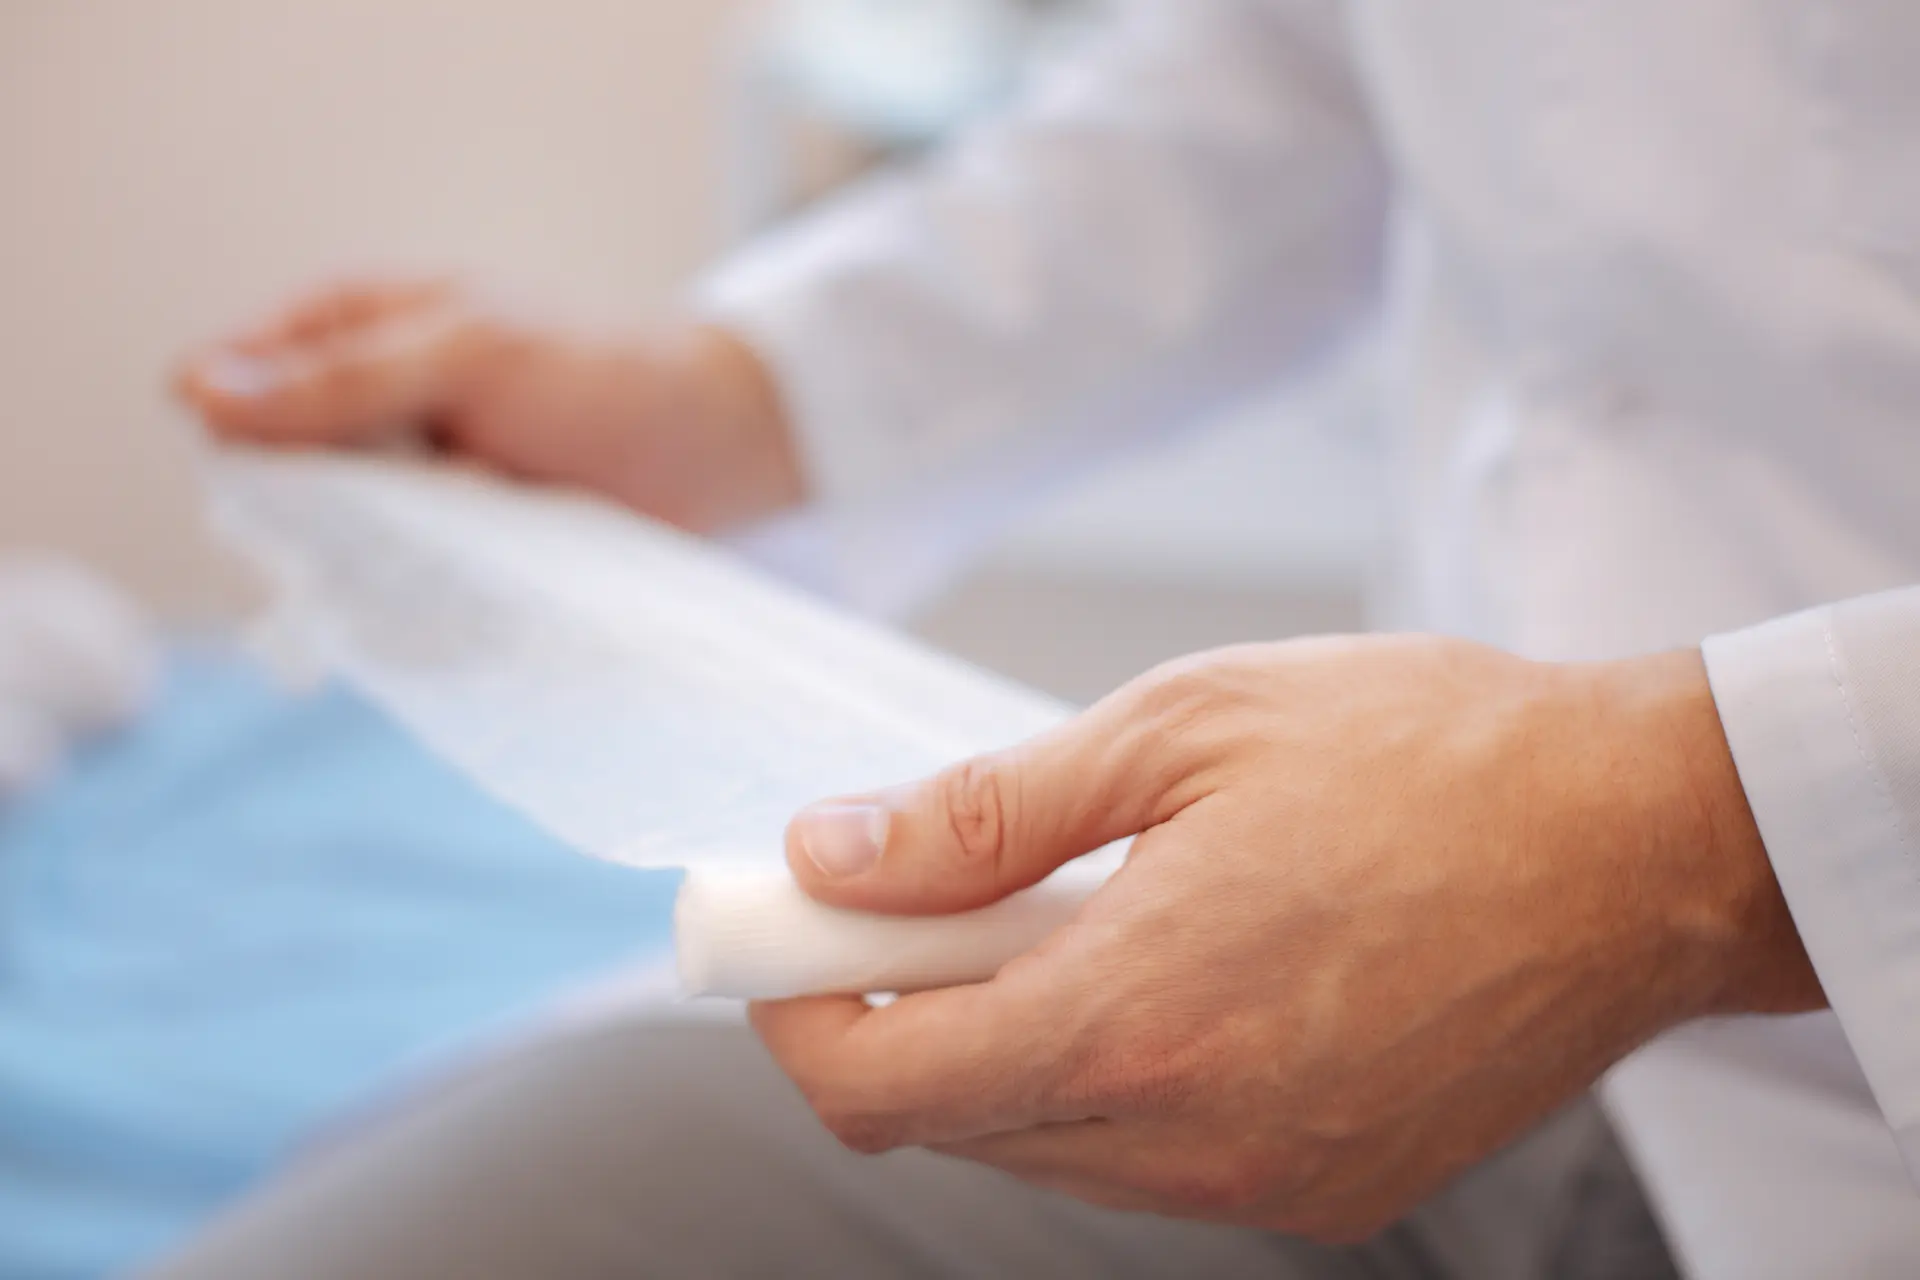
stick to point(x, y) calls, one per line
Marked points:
point(1650, 277)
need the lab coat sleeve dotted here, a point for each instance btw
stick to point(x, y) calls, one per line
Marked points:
point(1822, 710)
point(1193, 203)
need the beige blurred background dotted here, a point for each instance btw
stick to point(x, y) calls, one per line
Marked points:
point(168, 168)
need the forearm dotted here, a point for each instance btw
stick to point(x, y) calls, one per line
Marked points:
point(741, 456)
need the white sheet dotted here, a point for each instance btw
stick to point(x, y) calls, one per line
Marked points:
point(638, 693)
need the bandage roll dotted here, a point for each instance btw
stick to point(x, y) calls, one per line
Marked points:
point(754, 935)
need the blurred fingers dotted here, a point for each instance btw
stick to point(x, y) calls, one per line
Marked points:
point(334, 312)
point(352, 389)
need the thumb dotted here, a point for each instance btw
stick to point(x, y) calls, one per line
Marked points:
point(988, 826)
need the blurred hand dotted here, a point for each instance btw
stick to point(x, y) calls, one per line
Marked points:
point(1393, 901)
point(687, 427)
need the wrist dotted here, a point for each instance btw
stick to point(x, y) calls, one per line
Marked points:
point(1706, 875)
point(695, 432)
point(734, 410)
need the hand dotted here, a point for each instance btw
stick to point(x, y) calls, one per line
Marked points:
point(687, 428)
point(1392, 901)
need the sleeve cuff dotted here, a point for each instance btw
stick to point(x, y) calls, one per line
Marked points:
point(1801, 719)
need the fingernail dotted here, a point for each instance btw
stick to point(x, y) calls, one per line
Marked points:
point(238, 376)
point(843, 839)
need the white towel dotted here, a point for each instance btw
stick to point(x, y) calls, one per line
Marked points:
point(642, 695)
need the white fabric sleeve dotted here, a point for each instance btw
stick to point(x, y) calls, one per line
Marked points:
point(1193, 203)
point(1822, 710)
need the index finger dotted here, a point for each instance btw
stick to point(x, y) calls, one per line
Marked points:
point(936, 1066)
point(330, 311)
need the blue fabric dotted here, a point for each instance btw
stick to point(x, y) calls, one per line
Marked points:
point(236, 919)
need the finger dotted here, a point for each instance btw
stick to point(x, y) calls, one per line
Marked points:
point(940, 1066)
point(332, 313)
point(346, 392)
point(997, 823)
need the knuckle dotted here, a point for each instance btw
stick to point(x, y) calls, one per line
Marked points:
point(1195, 700)
point(346, 378)
point(1198, 712)
point(1182, 693)
point(850, 1118)
point(286, 406)
point(979, 799)
point(331, 395)
point(862, 1132)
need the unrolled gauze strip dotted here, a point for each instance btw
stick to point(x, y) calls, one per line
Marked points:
point(754, 935)
point(639, 694)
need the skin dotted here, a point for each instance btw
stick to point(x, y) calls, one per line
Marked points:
point(684, 425)
point(1391, 900)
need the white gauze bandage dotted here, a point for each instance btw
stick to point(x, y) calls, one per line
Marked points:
point(640, 694)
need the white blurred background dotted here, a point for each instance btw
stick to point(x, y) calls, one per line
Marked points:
point(166, 169)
